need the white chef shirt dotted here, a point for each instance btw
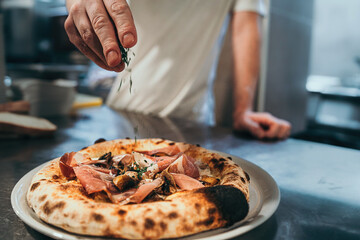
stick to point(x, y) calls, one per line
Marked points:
point(179, 42)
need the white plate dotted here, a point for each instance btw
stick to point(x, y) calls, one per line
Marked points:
point(264, 200)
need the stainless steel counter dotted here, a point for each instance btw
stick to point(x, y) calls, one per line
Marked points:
point(319, 184)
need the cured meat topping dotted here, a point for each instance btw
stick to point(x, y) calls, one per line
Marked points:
point(135, 177)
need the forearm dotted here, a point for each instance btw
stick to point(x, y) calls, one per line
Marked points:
point(246, 50)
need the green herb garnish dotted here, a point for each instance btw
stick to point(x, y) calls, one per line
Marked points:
point(126, 59)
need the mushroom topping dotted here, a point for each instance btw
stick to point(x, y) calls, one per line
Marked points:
point(168, 186)
point(127, 180)
point(209, 181)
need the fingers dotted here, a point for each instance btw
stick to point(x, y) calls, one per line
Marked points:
point(242, 122)
point(276, 128)
point(104, 30)
point(76, 39)
point(87, 33)
point(256, 130)
point(285, 130)
point(121, 15)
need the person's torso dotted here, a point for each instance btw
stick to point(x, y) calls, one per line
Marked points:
point(174, 56)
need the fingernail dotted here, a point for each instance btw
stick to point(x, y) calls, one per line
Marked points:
point(128, 40)
point(112, 57)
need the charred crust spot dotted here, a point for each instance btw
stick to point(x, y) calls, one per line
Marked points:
point(34, 186)
point(187, 228)
point(158, 142)
point(222, 160)
point(97, 217)
point(64, 187)
point(229, 158)
point(99, 140)
point(198, 145)
point(163, 226)
point(243, 179)
point(48, 209)
point(59, 205)
point(197, 207)
point(211, 210)
point(42, 198)
point(149, 223)
point(121, 212)
point(127, 138)
point(230, 202)
point(218, 164)
point(247, 176)
point(133, 223)
point(107, 232)
point(55, 177)
point(206, 222)
point(172, 143)
point(84, 148)
point(173, 215)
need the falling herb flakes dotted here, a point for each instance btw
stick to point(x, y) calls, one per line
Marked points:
point(136, 130)
point(125, 58)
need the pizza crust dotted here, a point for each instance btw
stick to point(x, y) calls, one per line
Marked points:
point(65, 204)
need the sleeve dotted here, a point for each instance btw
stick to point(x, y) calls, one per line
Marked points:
point(257, 6)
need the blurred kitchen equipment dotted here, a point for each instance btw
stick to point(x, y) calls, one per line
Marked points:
point(48, 98)
point(37, 44)
point(333, 112)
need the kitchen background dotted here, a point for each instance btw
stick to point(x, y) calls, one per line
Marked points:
point(310, 65)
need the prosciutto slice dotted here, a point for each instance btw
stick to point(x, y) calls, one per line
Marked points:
point(168, 151)
point(92, 180)
point(124, 159)
point(143, 160)
point(121, 197)
point(144, 190)
point(185, 182)
point(66, 164)
point(185, 165)
point(70, 160)
point(161, 163)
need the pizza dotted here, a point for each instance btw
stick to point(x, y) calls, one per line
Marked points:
point(140, 189)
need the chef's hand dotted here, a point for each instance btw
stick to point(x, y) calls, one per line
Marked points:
point(262, 125)
point(95, 27)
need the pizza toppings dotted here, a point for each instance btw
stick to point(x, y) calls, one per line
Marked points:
point(185, 165)
point(145, 189)
point(127, 180)
point(66, 162)
point(90, 179)
point(130, 178)
point(209, 181)
point(185, 182)
point(167, 151)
